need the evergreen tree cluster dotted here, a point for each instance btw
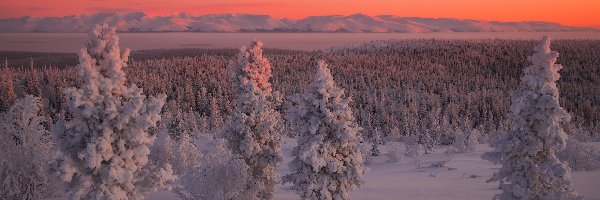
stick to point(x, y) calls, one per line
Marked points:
point(97, 124)
point(399, 87)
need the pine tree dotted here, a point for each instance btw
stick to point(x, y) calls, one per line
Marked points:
point(466, 141)
point(221, 176)
point(105, 145)
point(191, 123)
point(203, 124)
point(25, 150)
point(530, 168)
point(173, 118)
point(162, 150)
point(188, 155)
point(216, 121)
point(254, 133)
point(327, 162)
point(427, 140)
point(376, 141)
point(7, 92)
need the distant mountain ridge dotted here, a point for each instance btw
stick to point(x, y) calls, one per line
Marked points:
point(141, 22)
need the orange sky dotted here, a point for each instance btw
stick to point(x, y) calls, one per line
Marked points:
point(567, 12)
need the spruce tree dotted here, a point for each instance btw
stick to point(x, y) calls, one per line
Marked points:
point(530, 168)
point(25, 150)
point(105, 145)
point(254, 132)
point(327, 162)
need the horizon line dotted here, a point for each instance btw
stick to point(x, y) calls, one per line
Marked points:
point(146, 14)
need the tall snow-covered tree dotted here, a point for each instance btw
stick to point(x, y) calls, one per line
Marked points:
point(25, 150)
point(327, 162)
point(254, 132)
point(433, 138)
point(105, 145)
point(530, 168)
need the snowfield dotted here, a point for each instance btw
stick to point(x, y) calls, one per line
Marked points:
point(463, 178)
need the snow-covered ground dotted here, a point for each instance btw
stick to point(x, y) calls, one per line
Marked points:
point(464, 177)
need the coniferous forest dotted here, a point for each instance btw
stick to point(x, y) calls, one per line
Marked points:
point(107, 123)
point(397, 87)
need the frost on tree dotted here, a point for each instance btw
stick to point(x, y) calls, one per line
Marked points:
point(25, 150)
point(174, 145)
point(221, 176)
point(254, 132)
point(162, 151)
point(188, 156)
point(327, 162)
point(466, 141)
point(530, 168)
point(428, 142)
point(105, 145)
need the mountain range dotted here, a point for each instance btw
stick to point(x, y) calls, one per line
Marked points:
point(141, 22)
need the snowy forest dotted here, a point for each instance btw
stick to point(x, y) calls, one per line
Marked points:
point(110, 123)
point(461, 84)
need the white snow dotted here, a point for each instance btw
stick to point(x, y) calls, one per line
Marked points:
point(402, 180)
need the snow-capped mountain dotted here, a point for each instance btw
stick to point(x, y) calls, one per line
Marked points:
point(140, 22)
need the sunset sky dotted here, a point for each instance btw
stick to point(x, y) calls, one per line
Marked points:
point(567, 12)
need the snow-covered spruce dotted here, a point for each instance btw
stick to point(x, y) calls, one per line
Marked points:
point(580, 156)
point(395, 151)
point(221, 176)
point(173, 118)
point(427, 140)
point(182, 155)
point(105, 145)
point(188, 155)
point(254, 132)
point(163, 149)
point(377, 140)
point(365, 149)
point(466, 141)
point(530, 168)
point(174, 144)
point(327, 162)
point(413, 149)
point(25, 150)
